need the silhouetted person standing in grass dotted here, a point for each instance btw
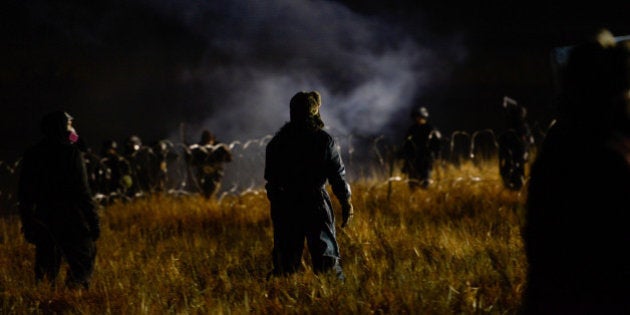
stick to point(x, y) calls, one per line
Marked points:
point(57, 212)
point(420, 149)
point(514, 145)
point(578, 208)
point(300, 158)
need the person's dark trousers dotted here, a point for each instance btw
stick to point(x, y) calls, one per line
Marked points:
point(79, 254)
point(47, 259)
point(289, 245)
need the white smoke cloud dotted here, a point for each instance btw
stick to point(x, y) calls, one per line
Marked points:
point(232, 66)
point(261, 53)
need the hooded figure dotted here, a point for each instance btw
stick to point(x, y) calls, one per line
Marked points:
point(576, 230)
point(300, 159)
point(56, 208)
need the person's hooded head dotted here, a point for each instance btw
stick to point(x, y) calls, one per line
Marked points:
point(206, 137)
point(304, 109)
point(588, 80)
point(597, 85)
point(515, 115)
point(57, 126)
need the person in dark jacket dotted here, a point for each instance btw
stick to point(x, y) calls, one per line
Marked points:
point(300, 159)
point(207, 159)
point(56, 208)
point(118, 177)
point(514, 145)
point(143, 164)
point(576, 232)
point(420, 149)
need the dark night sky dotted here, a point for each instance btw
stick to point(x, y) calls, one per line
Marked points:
point(144, 67)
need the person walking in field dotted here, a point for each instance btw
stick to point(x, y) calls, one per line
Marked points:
point(420, 149)
point(56, 209)
point(300, 159)
point(576, 234)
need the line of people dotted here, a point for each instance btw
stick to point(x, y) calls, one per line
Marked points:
point(423, 145)
point(137, 169)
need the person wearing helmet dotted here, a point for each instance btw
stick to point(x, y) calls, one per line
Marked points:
point(56, 208)
point(300, 159)
point(420, 149)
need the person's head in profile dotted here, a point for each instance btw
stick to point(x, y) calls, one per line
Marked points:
point(57, 126)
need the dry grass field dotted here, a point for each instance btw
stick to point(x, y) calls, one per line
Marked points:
point(454, 248)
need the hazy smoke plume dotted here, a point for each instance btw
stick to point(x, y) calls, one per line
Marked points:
point(170, 68)
point(259, 54)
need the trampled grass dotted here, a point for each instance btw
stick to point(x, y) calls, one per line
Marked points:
point(454, 248)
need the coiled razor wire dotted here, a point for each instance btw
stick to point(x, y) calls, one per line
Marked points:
point(364, 156)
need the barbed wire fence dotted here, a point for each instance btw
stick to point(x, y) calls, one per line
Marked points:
point(365, 157)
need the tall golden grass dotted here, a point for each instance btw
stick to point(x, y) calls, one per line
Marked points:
point(454, 248)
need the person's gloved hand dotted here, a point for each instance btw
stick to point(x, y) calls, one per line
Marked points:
point(347, 211)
